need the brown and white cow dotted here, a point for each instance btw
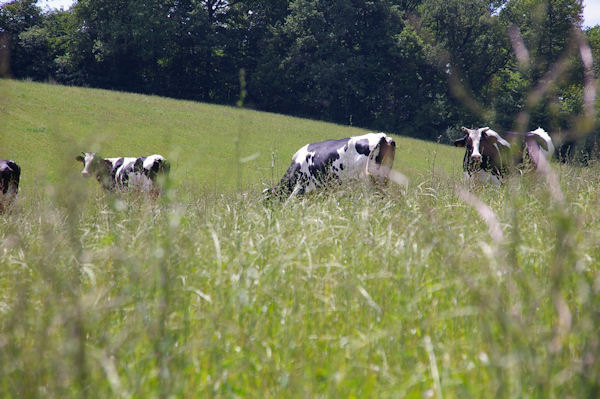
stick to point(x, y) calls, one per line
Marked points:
point(124, 172)
point(10, 174)
point(317, 165)
point(490, 156)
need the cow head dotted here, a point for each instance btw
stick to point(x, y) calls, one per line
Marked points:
point(92, 164)
point(538, 145)
point(486, 150)
point(473, 142)
point(543, 139)
point(383, 155)
point(387, 152)
point(481, 143)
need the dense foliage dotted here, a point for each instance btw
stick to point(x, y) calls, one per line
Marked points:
point(413, 67)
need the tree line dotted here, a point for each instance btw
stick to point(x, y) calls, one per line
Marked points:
point(420, 68)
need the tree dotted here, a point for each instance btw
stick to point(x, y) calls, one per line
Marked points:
point(546, 27)
point(468, 43)
point(593, 37)
point(414, 67)
point(15, 18)
point(352, 62)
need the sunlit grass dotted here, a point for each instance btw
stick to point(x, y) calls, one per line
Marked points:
point(41, 125)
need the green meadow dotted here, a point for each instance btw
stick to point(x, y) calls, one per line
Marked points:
point(211, 147)
point(433, 290)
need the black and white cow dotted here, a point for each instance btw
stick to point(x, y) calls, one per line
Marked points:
point(10, 173)
point(317, 165)
point(489, 156)
point(125, 172)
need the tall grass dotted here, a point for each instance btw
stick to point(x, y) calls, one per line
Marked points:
point(350, 293)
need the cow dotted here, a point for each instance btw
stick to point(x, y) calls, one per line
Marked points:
point(489, 156)
point(10, 174)
point(318, 165)
point(125, 172)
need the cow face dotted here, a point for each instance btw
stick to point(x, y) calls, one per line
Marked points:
point(485, 150)
point(475, 141)
point(93, 165)
point(383, 154)
point(481, 144)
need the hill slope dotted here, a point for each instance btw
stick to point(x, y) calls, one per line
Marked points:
point(43, 127)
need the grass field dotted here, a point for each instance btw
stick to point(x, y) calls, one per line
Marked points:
point(346, 294)
point(212, 148)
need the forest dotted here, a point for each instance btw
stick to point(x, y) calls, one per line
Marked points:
point(420, 68)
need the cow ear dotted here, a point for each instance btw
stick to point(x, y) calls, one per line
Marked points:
point(79, 158)
point(464, 129)
point(489, 134)
point(460, 142)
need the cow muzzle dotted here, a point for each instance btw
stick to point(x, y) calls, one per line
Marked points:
point(476, 158)
point(85, 173)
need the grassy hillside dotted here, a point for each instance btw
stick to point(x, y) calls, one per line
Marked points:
point(43, 127)
point(437, 291)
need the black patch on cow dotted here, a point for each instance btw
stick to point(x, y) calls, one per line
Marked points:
point(322, 163)
point(138, 166)
point(289, 180)
point(154, 169)
point(328, 146)
point(160, 166)
point(325, 154)
point(116, 166)
point(362, 147)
